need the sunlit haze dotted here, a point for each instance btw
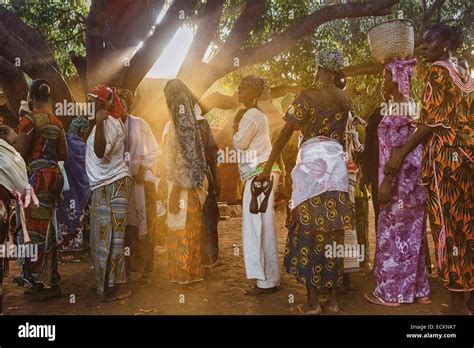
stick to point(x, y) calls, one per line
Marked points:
point(167, 66)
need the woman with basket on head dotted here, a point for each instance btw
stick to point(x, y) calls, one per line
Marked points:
point(400, 271)
point(321, 206)
point(445, 130)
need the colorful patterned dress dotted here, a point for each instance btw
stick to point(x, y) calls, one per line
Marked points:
point(400, 270)
point(184, 245)
point(448, 172)
point(71, 213)
point(320, 221)
point(45, 177)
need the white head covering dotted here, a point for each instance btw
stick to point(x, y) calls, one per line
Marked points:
point(24, 107)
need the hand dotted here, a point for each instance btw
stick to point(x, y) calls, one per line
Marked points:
point(264, 176)
point(385, 190)
point(394, 163)
point(100, 116)
point(174, 203)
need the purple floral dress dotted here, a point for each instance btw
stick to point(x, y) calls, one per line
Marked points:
point(400, 270)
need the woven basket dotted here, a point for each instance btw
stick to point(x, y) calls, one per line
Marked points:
point(391, 40)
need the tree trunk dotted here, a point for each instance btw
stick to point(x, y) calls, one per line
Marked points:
point(33, 64)
point(14, 87)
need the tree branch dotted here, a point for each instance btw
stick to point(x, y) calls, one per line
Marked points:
point(288, 38)
point(33, 64)
point(363, 69)
point(207, 27)
point(14, 86)
point(144, 59)
point(80, 63)
point(95, 42)
point(27, 34)
point(436, 6)
point(239, 34)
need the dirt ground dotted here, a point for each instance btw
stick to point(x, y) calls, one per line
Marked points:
point(221, 295)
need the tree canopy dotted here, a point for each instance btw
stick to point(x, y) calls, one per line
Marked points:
point(97, 40)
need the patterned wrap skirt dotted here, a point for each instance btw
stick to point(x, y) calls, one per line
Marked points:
point(108, 214)
point(184, 245)
point(314, 226)
point(47, 183)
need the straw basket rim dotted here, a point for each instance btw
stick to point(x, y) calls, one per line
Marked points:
point(392, 20)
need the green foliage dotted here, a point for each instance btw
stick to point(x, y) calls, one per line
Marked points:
point(61, 23)
point(296, 65)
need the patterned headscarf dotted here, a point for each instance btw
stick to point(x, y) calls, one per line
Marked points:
point(331, 59)
point(185, 160)
point(78, 125)
point(126, 96)
point(102, 92)
point(401, 73)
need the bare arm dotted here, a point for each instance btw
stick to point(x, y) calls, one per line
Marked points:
point(99, 140)
point(280, 143)
point(22, 145)
point(398, 155)
point(216, 179)
point(62, 148)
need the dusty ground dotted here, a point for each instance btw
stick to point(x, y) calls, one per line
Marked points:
point(222, 294)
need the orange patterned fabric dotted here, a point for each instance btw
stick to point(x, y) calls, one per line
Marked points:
point(448, 171)
point(184, 246)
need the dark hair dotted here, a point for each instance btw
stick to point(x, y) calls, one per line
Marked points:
point(40, 90)
point(255, 83)
point(449, 33)
point(340, 79)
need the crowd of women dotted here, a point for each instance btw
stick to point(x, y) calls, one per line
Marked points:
point(105, 180)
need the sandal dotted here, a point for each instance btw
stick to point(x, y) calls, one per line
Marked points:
point(423, 300)
point(374, 299)
point(256, 188)
point(298, 310)
point(268, 190)
point(255, 290)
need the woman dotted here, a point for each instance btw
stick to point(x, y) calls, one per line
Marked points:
point(445, 129)
point(400, 272)
point(42, 143)
point(210, 237)
point(321, 207)
point(252, 140)
point(142, 150)
point(70, 214)
point(109, 181)
point(186, 171)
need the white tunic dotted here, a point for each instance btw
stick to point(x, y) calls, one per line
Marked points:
point(252, 141)
point(111, 167)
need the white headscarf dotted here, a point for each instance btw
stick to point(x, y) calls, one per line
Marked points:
point(12, 168)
